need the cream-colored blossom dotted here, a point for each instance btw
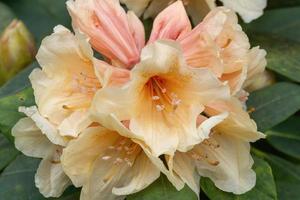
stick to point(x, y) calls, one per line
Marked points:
point(197, 9)
point(63, 91)
point(109, 166)
point(67, 82)
point(162, 100)
point(225, 156)
point(218, 42)
point(36, 137)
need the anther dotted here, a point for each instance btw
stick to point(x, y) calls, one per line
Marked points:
point(118, 161)
point(106, 157)
point(160, 108)
point(155, 98)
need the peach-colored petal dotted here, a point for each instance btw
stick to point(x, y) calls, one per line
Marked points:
point(238, 124)
point(220, 44)
point(110, 75)
point(163, 97)
point(67, 81)
point(109, 29)
point(137, 30)
point(171, 23)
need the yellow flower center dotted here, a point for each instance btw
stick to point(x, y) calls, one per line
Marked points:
point(163, 98)
point(123, 151)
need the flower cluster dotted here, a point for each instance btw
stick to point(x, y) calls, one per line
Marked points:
point(174, 104)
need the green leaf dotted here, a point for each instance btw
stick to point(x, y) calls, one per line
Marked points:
point(40, 16)
point(19, 82)
point(162, 189)
point(283, 54)
point(282, 22)
point(285, 137)
point(274, 104)
point(6, 16)
point(264, 189)
point(7, 152)
point(286, 175)
point(17, 180)
point(283, 3)
point(9, 114)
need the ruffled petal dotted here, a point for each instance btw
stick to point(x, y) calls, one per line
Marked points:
point(109, 75)
point(109, 29)
point(79, 156)
point(50, 178)
point(185, 167)
point(172, 116)
point(171, 23)
point(30, 140)
point(142, 174)
point(257, 65)
point(249, 10)
point(137, 29)
point(227, 162)
point(46, 128)
point(219, 44)
point(238, 124)
point(75, 123)
point(67, 81)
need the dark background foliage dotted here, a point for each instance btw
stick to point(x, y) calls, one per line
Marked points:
point(277, 158)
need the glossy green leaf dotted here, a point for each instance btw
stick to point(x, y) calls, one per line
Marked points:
point(274, 104)
point(283, 3)
point(7, 152)
point(283, 55)
point(9, 114)
point(286, 137)
point(286, 175)
point(40, 16)
point(282, 22)
point(264, 189)
point(17, 180)
point(6, 16)
point(162, 189)
point(19, 82)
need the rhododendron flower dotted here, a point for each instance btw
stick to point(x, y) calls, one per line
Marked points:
point(109, 166)
point(37, 137)
point(218, 42)
point(67, 82)
point(225, 156)
point(63, 91)
point(249, 10)
point(162, 100)
point(117, 120)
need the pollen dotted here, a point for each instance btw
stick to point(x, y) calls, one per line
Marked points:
point(160, 108)
point(106, 157)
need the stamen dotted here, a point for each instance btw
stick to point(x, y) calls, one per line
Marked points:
point(118, 161)
point(211, 144)
point(160, 108)
point(155, 98)
point(106, 157)
point(205, 158)
point(251, 110)
point(128, 162)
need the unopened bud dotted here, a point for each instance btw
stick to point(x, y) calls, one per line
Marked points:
point(260, 81)
point(17, 50)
